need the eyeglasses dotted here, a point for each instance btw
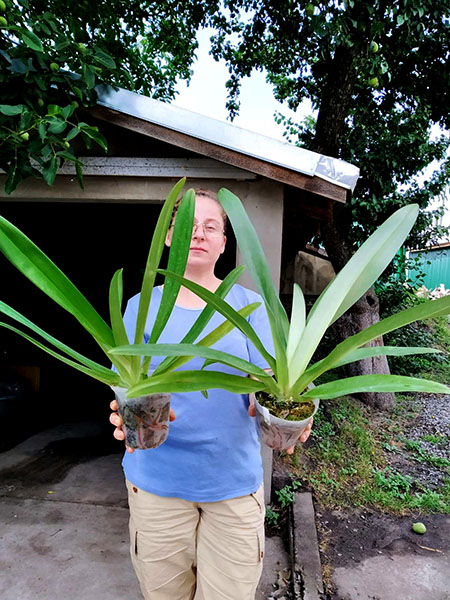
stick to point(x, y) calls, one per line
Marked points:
point(209, 229)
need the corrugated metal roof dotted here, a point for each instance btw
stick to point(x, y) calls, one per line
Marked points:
point(230, 136)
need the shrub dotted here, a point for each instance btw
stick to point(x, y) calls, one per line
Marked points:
point(395, 296)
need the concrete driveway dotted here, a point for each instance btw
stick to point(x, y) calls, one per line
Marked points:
point(64, 520)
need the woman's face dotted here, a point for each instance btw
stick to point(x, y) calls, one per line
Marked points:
point(206, 245)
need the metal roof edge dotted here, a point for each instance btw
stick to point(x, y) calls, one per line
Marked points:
point(229, 136)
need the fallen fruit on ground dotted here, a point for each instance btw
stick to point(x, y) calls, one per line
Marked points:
point(419, 528)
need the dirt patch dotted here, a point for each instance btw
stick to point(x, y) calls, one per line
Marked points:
point(351, 536)
point(347, 538)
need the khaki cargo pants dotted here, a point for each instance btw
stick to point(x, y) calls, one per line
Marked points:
point(185, 550)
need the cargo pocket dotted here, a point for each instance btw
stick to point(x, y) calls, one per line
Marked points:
point(261, 543)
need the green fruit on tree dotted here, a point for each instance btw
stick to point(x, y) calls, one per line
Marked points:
point(419, 528)
point(3, 22)
point(2, 6)
point(82, 48)
point(25, 136)
point(54, 67)
point(40, 102)
point(67, 144)
point(373, 47)
point(309, 10)
point(75, 104)
point(373, 81)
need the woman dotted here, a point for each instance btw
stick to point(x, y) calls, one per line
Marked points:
point(196, 502)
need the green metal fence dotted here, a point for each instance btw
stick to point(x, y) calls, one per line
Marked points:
point(435, 263)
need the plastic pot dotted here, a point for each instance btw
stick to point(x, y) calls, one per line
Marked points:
point(279, 434)
point(145, 419)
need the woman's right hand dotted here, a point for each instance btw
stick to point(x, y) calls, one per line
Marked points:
point(116, 420)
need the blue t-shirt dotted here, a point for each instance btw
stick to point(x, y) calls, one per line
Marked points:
point(212, 451)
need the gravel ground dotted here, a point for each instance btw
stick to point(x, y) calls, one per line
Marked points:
point(432, 418)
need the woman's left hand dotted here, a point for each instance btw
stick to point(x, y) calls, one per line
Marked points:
point(303, 436)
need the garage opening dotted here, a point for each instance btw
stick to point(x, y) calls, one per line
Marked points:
point(88, 242)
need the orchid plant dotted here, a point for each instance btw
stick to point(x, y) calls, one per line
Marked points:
point(130, 371)
point(296, 339)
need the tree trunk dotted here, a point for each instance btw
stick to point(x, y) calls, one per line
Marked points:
point(361, 315)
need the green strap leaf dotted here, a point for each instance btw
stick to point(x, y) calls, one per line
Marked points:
point(362, 353)
point(256, 262)
point(115, 309)
point(154, 256)
point(14, 314)
point(374, 383)
point(195, 381)
point(107, 376)
point(365, 266)
point(214, 336)
point(205, 316)
point(227, 311)
point(298, 319)
point(425, 310)
point(39, 269)
point(178, 255)
point(254, 257)
point(191, 350)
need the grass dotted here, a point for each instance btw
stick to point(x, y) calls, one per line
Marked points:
point(348, 462)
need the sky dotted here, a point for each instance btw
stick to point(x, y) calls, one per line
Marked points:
point(206, 94)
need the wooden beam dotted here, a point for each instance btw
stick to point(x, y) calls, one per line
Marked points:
point(120, 166)
point(312, 206)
